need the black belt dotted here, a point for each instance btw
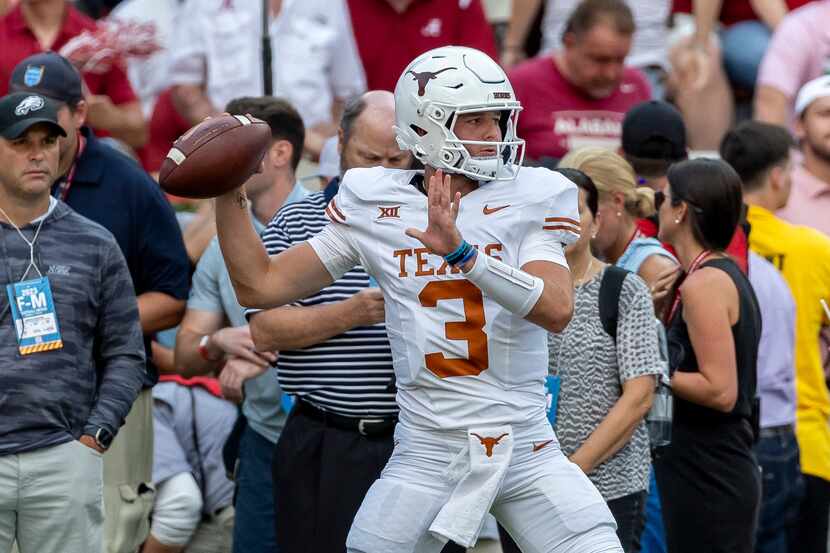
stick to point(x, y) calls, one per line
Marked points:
point(775, 431)
point(369, 427)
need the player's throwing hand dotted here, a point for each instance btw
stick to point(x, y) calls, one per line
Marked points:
point(441, 235)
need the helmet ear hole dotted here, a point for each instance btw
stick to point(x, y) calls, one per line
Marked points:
point(418, 130)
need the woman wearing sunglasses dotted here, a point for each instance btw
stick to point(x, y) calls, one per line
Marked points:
point(708, 476)
point(617, 239)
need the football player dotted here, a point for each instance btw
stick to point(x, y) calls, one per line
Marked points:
point(469, 256)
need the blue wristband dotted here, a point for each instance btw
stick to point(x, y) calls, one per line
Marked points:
point(469, 255)
point(463, 249)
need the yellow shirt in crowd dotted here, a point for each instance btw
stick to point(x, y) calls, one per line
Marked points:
point(802, 255)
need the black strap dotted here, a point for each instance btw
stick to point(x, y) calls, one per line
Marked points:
point(609, 298)
point(267, 77)
point(200, 465)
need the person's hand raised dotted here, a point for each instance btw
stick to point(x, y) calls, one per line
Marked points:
point(441, 236)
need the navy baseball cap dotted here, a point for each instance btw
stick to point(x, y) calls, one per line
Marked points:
point(22, 110)
point(654, 130)
point(48, 74)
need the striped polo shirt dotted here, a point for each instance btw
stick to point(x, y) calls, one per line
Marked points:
point(350, 374)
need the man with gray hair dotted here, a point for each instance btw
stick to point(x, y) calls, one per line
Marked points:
point(335, 358)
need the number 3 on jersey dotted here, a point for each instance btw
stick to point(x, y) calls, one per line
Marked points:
point(471, 329)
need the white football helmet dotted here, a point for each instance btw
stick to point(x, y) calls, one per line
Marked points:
point(434, 90)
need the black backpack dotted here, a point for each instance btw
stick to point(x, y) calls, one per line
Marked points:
point(609, 296)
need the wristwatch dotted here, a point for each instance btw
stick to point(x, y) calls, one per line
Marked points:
point(103, 438)
point(203, 350)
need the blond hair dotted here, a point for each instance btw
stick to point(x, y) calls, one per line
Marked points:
point(611, 173)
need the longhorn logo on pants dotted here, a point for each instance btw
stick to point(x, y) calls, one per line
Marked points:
point(488, 442)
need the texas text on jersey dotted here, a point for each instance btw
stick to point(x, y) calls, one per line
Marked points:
point(460, 358)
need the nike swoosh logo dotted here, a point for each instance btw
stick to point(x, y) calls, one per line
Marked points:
point(537, 447)
point(491, 210)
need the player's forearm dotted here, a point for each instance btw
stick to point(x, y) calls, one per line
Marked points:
point(614, 431)
point(243, 251)
point(772, 106)
point(261, 281)
point(540, 291)
point(554, 309)
point(293, 327)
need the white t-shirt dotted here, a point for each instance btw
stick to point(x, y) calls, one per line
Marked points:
point(649, 46)
point(460, 358)
point(314, 55)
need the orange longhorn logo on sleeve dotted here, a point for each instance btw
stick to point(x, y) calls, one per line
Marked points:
point(488, 442)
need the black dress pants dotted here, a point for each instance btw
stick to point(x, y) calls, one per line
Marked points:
point(630, 514)
point(321, 474)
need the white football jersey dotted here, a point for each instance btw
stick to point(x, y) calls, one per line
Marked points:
point(460, 358)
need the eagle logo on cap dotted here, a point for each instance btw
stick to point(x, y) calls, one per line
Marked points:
point(33, 75)
point(29, 104)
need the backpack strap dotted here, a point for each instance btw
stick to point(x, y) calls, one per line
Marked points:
point(609, 298)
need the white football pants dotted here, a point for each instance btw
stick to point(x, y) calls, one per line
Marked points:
point(546, 503)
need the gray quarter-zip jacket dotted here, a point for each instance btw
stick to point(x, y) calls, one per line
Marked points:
point(52, 397)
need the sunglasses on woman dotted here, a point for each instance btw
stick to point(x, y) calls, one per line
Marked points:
point(660, 198)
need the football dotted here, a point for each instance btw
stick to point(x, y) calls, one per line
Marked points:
point(214, 157)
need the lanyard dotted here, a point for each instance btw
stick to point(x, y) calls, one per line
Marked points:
point(692, 268)
point(30, 244)
point(66, 183)
point(634, 236)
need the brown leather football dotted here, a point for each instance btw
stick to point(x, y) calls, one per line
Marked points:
point(214, 157)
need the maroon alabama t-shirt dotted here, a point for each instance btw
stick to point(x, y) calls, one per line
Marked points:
point(558, 117)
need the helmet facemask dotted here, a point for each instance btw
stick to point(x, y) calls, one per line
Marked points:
point(455, 157)
point(504, 165)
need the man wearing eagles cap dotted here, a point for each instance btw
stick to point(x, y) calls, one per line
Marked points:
point(101, 184)
point(71, 355)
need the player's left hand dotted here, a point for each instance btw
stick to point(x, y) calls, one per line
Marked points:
point(441, 236)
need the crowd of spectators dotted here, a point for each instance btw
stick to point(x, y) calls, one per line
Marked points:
point(698, 134)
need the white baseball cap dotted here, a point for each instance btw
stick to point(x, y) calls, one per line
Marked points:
point(810, 92)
